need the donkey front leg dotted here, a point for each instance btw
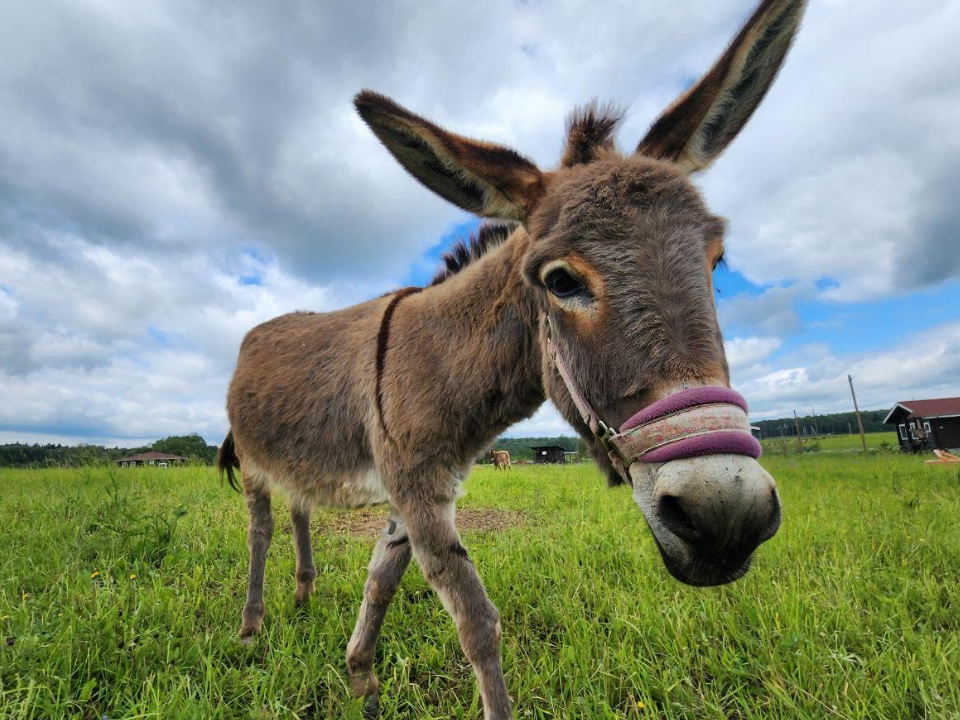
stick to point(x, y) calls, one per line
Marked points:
point(259, 534)
point(306, 570)
point(387, 566)
point(448, 569)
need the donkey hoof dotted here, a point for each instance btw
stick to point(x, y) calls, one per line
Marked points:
point(249, 632)
point(371, 707)
point(303, 595)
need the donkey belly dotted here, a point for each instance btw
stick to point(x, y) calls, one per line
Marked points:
point(313, 484)
point(338, 491)
point(298, 406)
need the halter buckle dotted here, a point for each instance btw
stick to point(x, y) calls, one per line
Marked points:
point(605, 435)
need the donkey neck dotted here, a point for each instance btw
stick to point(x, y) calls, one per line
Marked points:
point(492, 313)
point(477, 332)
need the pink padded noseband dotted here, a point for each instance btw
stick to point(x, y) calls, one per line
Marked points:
point(690, 423)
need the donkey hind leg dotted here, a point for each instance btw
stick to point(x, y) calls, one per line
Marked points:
point(306, 570)
point(259, 533)
point(387, 566)
point(448, 569)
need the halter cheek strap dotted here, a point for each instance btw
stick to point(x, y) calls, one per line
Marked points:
point(700, 421)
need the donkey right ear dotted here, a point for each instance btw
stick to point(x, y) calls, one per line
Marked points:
point(482, 178)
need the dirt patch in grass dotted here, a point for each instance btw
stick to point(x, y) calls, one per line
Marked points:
point(369, 522)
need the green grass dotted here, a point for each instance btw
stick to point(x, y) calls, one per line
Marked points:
point(124, 602)
point(835, 443)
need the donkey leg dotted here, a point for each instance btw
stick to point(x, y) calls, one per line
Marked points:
point(448, 569)
point(302, 545)
point(259, 534)
point(387, 566)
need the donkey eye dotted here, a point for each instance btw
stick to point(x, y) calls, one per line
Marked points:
point(563, 284)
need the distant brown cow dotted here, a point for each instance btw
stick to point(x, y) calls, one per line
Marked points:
point(500, 459)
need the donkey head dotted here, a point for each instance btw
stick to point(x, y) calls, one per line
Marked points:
point(621, 255)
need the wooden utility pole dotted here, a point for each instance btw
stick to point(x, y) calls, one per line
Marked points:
point(796, 421)
point(863, 439)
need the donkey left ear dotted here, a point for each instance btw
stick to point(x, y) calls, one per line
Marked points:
point(486, 179)
point(700, 124)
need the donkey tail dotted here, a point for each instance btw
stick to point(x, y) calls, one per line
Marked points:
point(227, 461)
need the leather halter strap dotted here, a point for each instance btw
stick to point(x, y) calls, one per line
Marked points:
point(382, 337)
point(603, 432)
point(587, 413)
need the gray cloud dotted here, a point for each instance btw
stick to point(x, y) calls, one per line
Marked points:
point(772, 312)
point(848, 169)
point(152, 154)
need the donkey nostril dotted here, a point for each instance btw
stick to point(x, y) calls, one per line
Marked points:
point(776, 515)
point(672, 514)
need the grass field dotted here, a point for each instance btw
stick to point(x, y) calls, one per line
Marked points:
point(835, 443)
point(123, 601)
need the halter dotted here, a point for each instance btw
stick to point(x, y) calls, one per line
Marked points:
point(708, 420)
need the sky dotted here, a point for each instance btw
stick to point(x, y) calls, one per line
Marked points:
point(173, 173)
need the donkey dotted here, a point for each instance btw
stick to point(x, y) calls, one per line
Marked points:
point(599, 297)
point(500, 459)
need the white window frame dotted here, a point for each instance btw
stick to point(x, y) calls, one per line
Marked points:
point(926, 426)
point(903, 431)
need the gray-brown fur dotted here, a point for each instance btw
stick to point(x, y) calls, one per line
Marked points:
point(463, 360)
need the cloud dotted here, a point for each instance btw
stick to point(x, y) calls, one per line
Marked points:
point(743, 353)
point(921, 365)
point(546, 422)
point(188, 127)
point(172, 174)
point(849, 168)
point(773, 311)
point(127, 347)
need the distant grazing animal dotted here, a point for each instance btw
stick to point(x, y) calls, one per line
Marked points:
point(500, 459)
point(600, 297)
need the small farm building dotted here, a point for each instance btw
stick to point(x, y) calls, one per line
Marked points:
point(152, 458)
point(547, 454)
point(926, 424)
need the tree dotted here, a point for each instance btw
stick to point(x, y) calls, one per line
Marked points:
point(190, 446)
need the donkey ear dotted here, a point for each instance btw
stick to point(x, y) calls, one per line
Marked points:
point(485, 179)
point(700, 124)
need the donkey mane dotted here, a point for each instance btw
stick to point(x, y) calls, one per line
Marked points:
point(471, 249)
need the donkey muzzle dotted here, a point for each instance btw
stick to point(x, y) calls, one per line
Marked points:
point(707, 500)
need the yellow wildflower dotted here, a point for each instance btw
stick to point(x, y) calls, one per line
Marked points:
point(94, 575)
point(639, 705)
point(133, 576)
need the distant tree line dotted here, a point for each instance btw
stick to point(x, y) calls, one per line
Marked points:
point(833, 424)
point(191, 446)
